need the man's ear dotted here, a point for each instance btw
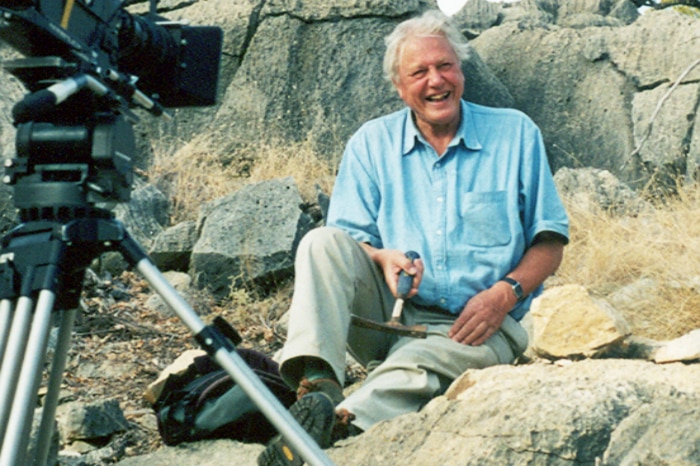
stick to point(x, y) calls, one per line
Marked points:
point(398, 88)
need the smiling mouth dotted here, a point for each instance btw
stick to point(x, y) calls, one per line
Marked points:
point(438, 97)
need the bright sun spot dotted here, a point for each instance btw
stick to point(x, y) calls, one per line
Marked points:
point(450, 7)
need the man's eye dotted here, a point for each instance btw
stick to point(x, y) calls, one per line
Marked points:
point(418, 73)
point(445, 66)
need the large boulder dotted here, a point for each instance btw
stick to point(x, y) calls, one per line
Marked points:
point(540, 414)
point(249, 237)
point(595, 92)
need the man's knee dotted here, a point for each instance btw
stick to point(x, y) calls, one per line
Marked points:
point(323, 241)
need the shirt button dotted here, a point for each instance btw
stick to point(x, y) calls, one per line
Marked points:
point(443, 301)
point(439, 232)
point(440, 199)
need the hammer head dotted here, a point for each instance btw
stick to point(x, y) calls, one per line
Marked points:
point(393, 326)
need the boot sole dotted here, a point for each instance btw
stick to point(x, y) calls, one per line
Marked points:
point(315, 413)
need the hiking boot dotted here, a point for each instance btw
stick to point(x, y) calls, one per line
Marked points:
point(315, 413)
point(328, 386)
point(343, 428)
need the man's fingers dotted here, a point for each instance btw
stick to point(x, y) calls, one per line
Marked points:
point(473, 336)
point(485, 335)
point(466, 328)
point(417, 277)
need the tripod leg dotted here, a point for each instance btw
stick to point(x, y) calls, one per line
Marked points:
point(19, 425)
point(58, 364)
point(12, 360)
point(223, 352)
point(5, 322)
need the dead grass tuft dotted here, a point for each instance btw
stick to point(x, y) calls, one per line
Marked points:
point(195, 174)
point(191, 176)
point(608, 252)
point(299, 161)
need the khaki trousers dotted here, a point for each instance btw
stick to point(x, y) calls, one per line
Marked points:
point(334, 278)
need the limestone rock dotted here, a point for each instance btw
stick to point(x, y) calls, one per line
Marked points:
point(568, 322)
point(659, 135)
point(536, 414)
point(313, 72)
point(661, 432)
point(202, 453)
point(593, 95)
point(685, 348)
point(592, 189)
point(179, 366)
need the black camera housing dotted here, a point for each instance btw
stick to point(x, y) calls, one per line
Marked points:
point(86, 63)
point(174, 64)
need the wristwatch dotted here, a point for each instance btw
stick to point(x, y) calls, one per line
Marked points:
point(517, 289)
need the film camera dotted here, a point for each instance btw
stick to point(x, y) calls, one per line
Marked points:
point(87, 64)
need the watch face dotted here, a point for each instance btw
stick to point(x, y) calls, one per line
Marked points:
point(517, 289)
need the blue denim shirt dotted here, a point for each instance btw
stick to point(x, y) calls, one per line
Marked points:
point(470, 213)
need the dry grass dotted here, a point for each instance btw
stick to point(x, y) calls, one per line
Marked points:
point(195, 174)
point(662, 246)
point(191, 176)
point(298, 161)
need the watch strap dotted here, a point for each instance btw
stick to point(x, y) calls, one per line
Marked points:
point(517, 288)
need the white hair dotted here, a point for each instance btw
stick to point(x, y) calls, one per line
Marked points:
point(430, 23)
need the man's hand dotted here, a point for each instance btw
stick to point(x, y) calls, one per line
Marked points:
point(391, 262)
point(483, 315)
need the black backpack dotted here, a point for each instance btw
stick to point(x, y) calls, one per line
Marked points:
point(204, 402)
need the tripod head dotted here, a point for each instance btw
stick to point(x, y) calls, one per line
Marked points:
point(87, 64)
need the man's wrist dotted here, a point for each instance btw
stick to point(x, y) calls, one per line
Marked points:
point(516, 288)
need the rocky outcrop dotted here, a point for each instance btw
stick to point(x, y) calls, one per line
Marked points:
point(592, 412)
point(622, 99)
point(249, 237)
point(575, 413)
point(313, 72)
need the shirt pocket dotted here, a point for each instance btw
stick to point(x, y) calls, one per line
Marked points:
point(485, 218)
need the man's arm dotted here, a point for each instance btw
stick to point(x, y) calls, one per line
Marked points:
point(483, 314)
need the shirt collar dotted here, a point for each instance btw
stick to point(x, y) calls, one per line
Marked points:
point(466, 133)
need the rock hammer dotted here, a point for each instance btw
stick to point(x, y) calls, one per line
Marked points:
point(394, 325)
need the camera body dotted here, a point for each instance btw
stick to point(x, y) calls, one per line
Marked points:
point(175, 64)
point(87, 63)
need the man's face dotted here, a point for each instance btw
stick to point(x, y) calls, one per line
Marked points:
point(431, 82)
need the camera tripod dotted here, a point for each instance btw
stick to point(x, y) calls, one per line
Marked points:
point(42, 266)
